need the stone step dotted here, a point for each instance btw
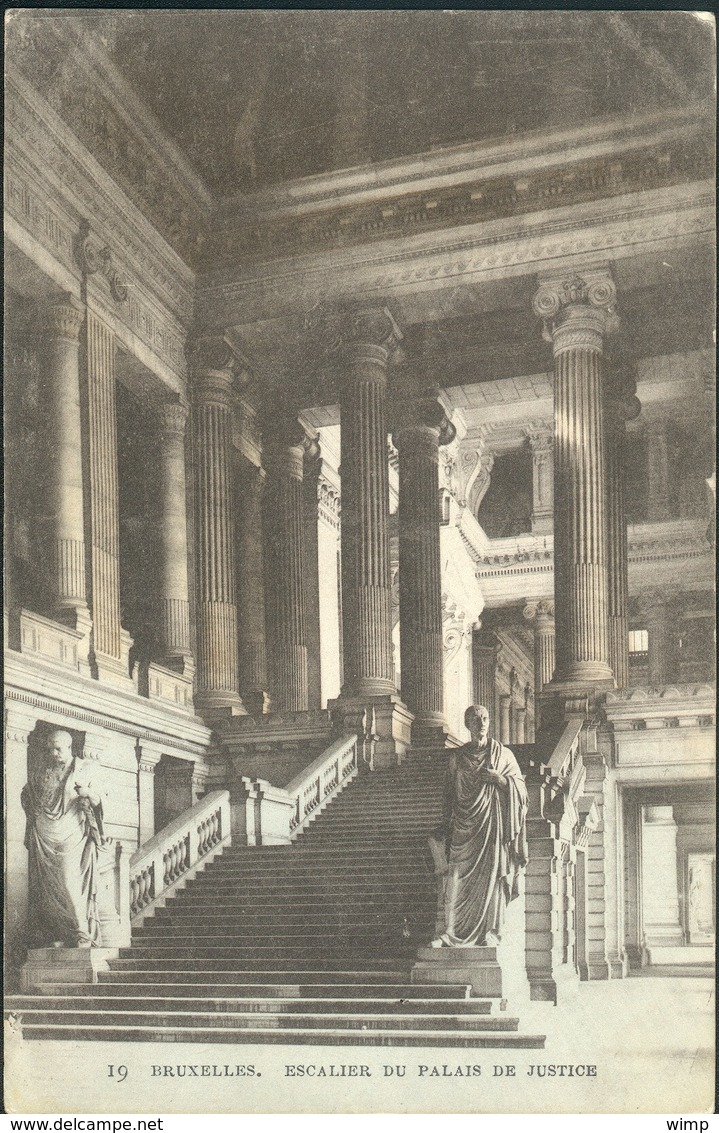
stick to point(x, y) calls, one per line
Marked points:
point(268, 984)
point(290, 952)
point(369, 969)
point(334, 1036)
point(258, 1021)
point(269, 1004)
point(185, 919)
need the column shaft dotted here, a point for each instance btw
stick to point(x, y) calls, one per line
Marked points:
point(175, 610)
point(366, 602)
point(420, 585)
point(217, 680)
point(661, 660)
point(288, 620)
point(251, 589)
point(484, 663)
point(658, 472)
point(618, 551)
point(577, 313)
point(505, 705)
point(310, 504)
point(103, 489)
point(64, 459)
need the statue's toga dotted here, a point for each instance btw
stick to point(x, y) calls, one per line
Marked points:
point(63, 805)
point(485, 807)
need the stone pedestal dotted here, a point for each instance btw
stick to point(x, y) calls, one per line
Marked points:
point(660, 886)
point(383, 722)
point(477, 967)
point(47, 966)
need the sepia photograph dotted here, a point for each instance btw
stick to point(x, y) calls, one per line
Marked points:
point(359, 560)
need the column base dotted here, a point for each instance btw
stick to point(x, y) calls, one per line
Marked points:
point(388, 742)
point(79, 619)
point(47, 966)
point(217, 706)
point(477, 967)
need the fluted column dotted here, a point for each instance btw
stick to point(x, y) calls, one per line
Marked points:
point(577, 314)
point(284, 459)
point(310, 506)
point(505, 728)
point(541, 615)
point(366, 604)
point(657, 614)
point(484, 665)
point(658, 471)
point(110, 645)
point(175, 608)
point(621, 405)
point(66, 542)
point(540, 441)
point(251, 589)
point(217, 679)
point(420, 584)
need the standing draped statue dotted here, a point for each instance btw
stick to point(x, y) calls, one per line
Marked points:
point(485, 810)
point(63, 805)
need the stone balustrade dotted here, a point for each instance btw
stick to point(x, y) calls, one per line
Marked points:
point(175, 854)
point(263, 814)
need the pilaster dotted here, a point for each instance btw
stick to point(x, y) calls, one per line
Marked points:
point(109, 656)
point(148, 756)
point(541, 443)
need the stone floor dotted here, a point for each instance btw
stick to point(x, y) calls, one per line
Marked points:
point(651, 1040)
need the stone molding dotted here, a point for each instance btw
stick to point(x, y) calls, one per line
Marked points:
point(496, 249)
point(53, 184)
point(92, 256)
point(463, 186)
point(173, 419)
point(104, 111)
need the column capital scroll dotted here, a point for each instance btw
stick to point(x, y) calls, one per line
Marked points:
point(539, 610)
point(577, 312)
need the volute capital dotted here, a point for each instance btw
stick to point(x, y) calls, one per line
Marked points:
point(577, 311)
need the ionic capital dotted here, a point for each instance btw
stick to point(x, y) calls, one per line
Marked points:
point(65, 318)
point(213, 363)
point(577, 312)
point(361, 332)
point(425, 423)
point(540, 611)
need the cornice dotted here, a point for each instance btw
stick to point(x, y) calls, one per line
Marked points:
point(561, 238)
point(105, 113)
point(521, 155)
point(42, 147)
point(39, 688)
point(550, 177)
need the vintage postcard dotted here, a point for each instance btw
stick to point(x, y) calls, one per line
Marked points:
point(359, 559)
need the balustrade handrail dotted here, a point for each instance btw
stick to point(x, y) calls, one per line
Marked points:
point(567, 744)
point(321, 779)
point(157, 866)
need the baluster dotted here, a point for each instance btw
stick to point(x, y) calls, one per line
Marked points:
point(134, 895)
point(202, 838)
point(214, 822)
point(218, 828)
point(166, 868)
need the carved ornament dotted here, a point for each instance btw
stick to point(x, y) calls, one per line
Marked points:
point(577, 312)
point(65, 318)
point(173, 418)
point(94, 257)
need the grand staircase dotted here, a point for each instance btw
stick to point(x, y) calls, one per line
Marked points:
point(308, 943)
